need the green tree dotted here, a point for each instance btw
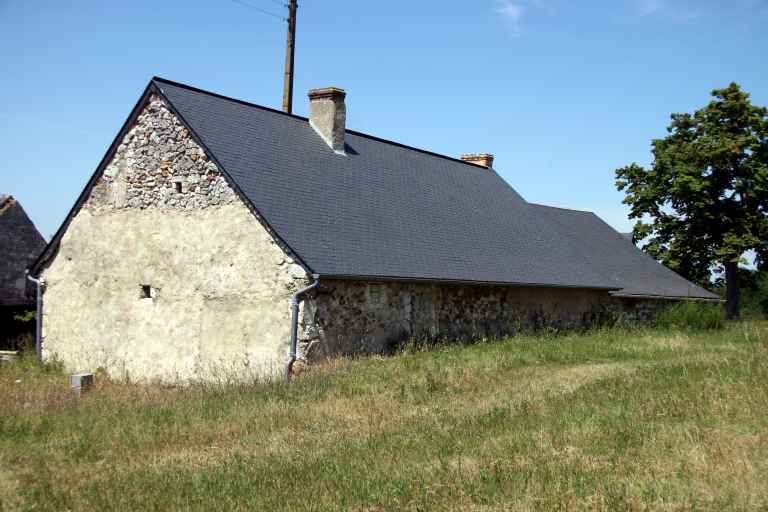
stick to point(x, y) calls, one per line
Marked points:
point(703, 202)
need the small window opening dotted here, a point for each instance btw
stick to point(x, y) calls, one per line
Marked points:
point(178, 187)
point(146, 291)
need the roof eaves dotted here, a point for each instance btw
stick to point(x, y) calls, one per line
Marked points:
point(621, 295)
point(15, 302)
point(355, 277)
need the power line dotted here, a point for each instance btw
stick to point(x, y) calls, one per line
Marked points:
point(259, 9)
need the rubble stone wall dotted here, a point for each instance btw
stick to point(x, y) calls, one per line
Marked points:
point(349, 317)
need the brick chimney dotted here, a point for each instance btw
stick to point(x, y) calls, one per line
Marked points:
point(484, 159)
point(328, 115)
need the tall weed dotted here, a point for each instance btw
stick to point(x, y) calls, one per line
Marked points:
point(692, 315)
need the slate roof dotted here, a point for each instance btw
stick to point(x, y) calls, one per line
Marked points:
point(388, 211)
point(618, 258)
point(20, 244)
point(384, 210)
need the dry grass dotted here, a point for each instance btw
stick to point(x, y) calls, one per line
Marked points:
point(652, 420)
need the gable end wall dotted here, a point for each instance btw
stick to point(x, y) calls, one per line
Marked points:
point(162, 216)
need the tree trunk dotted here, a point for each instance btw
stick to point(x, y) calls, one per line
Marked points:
point(732, 292)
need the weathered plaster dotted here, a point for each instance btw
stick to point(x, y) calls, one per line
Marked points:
point(162, 221)
point(219, 283)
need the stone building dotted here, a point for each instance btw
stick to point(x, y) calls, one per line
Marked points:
point(210, 220)
point(20, 245)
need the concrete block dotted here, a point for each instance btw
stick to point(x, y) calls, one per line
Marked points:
point(80, 383)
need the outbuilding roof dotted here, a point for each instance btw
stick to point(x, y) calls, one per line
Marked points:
point(385, 210)
point(20, 244)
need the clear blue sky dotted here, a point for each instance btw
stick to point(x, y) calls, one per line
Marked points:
point(561, 92)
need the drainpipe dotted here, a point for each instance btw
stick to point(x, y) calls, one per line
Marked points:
point(295, 299)
point(38, 316)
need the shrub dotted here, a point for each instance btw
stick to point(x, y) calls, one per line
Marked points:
point(692, 315)
point(754, 296)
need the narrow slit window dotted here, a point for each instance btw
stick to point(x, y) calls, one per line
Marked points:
point(178, 187)
point(146, 291)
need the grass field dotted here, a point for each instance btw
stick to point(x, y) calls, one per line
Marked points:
point(610, 420)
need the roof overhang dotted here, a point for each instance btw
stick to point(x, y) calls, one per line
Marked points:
point(11, 303)
point(461, 282)
point(664, 297)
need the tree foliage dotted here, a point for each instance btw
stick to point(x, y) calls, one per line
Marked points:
point(704, 200)
point(754, 284)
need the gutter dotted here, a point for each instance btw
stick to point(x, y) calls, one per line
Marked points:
point(295, 299)
point(39, 283)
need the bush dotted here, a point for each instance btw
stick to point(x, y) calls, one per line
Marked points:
point(754, 296)
point(754, 292)
point(692, 315)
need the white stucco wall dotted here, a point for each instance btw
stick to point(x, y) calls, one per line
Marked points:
point(220, 284)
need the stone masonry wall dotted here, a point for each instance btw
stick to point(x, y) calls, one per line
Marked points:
point(348, 317)
point(631, 310)
point(165, 274)
point(159, 165)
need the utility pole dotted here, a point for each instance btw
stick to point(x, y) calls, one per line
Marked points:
point(289, 51)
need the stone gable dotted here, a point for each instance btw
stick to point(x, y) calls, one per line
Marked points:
point(159, 165)
point(165, 273)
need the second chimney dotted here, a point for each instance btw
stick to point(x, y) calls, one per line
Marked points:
point(328, 115)
point(484, 159)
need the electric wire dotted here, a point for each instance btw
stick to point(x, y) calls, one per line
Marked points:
point(259, 9)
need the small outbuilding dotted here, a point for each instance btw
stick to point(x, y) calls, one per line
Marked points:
point(20, 246)
point(218, 238)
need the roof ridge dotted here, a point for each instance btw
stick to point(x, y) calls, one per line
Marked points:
point(161, 80)
point(561, 208)
point(227, 98)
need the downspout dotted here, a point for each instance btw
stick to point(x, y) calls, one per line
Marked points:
point(38, 315)
point(295, 299)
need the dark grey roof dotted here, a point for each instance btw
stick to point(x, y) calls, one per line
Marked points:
point(390, 211)
point(20, 244)
point(635, 272)
point(383, 210)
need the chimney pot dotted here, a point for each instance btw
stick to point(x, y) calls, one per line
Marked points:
point(328, 115)
point(484, 159)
